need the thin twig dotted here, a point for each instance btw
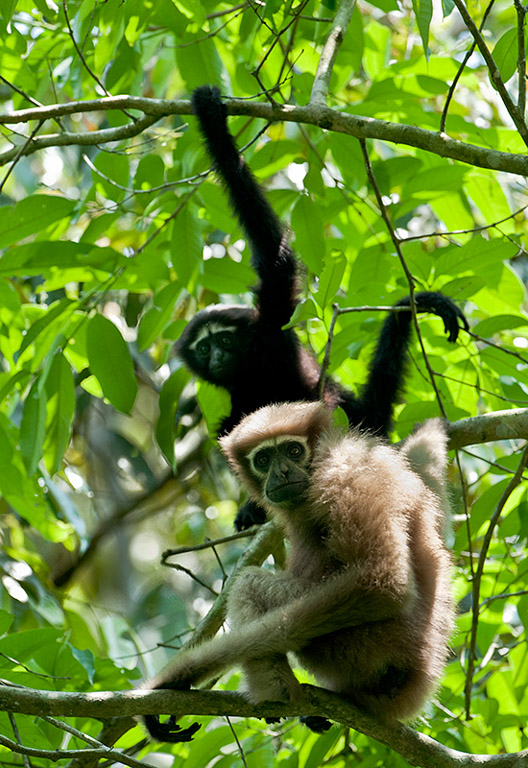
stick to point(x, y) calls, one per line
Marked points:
point(326, 358)
point(191, 575)
point(452, 232)
point(227, 11)
point(514, 482)
point(521, 57)
point(20, 152)
point(331, 47)
point(458, 75)
point(495, 75)
point(209, 543)
point(83, 60)
point(410, 279)
point(21, 92)
point(14, 726)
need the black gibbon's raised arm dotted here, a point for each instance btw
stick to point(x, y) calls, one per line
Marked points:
point(245, 350)
point(364, 602)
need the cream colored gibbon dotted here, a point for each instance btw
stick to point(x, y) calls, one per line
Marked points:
point(364, 602)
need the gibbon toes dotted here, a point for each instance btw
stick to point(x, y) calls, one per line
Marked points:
point(170, 731)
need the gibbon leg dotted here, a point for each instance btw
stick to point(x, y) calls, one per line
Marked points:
point(256, 591)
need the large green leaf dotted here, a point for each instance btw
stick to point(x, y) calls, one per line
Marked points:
point(505, 54)
point(110, 362)
point(60, 390)
point(199, 63)
point(31, 215)
point(33, 426)
point(423, 10)
point(309, 233)
point(187, 245)
point(47, 258)
point(168, 405)
point(157, 317)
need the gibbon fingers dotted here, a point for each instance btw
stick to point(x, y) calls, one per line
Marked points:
point(364, 602)
point(247, 351)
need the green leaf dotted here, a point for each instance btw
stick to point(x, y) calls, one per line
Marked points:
point(45, 258)
point(168, 405)
point(309, 233)
point(60, 389)
point(305, 310)
point(492, 325)
point(199, 63)
point(116, 168)
point(7, 8)
point(331, 277)
point(110, 362)
point(42, 323)
point(423, 10)
point(150, 172)
point(5, 621)
point(505, 55)
point(215, 405)
point(157, 317)
point(31, 215)
point(33, 426)
point(227, 276)
point(187, 245)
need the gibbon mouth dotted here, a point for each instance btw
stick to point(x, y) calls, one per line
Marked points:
point(287, 491)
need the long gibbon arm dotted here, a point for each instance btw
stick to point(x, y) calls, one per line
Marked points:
point(272, 257)
point(372, 410)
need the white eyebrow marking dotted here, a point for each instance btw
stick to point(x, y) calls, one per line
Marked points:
point(209, 329)
point(273, 442)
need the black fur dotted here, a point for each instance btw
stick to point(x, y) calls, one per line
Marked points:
point(268, 365)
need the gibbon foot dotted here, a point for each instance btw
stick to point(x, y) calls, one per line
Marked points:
point(170, 731)
point(315, 723)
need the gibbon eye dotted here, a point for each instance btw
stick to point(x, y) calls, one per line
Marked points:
point(295, 450)
point(203, 348)
point(261, 460)
point(227, 340)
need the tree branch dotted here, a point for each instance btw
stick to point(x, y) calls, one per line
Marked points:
point(498, 425)
point(320, 115)
point(328, 56)
point(418, 749)
point(477, 578)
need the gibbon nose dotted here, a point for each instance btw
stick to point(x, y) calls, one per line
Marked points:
point(216, 359)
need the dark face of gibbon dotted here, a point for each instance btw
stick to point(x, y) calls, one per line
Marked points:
point(281, 467)
point(215, 347)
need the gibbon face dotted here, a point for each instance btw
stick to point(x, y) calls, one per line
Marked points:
point(215, 342)
point(282, 468)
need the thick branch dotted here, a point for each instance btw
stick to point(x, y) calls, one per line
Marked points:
point(416, 748)
point(499, 425)
point(324, 117)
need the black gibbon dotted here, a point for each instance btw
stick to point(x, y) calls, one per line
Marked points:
point(246, 351)
point(364, 602)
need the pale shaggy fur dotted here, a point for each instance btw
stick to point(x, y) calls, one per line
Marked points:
point(364, 602)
